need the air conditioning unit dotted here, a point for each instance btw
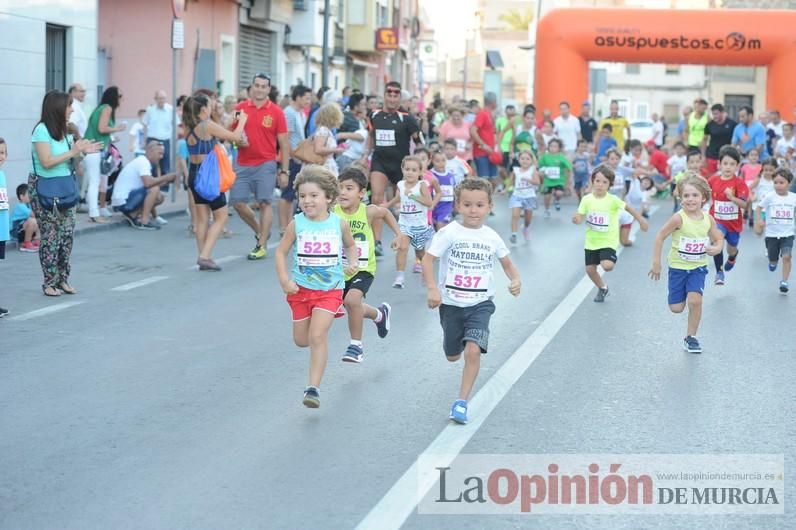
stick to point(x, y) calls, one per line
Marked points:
point(300, 5)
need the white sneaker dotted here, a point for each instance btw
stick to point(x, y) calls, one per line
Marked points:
point(104, 212)
point(159, 220)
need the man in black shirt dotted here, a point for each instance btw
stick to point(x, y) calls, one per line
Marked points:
point(391, 132)
point(718, 133)
point(587, 124)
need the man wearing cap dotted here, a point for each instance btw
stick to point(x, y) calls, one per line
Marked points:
point(256, 164)
point(588, 125)
point(697, 121)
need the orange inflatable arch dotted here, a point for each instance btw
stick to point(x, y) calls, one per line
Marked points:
point(567, 39)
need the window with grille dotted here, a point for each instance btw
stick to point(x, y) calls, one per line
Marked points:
point(55, 59)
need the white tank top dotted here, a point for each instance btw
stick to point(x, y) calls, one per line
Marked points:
point(412, 214)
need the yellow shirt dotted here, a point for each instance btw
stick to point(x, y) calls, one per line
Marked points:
point(690, 243)
point(618, 126)
point(602, 220)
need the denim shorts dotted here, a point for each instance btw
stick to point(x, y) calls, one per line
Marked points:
point(485, 168)
point(465, 324)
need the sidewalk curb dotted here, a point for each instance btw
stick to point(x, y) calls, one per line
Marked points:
point(114, 224)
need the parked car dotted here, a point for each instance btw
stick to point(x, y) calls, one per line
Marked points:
point(641, 130)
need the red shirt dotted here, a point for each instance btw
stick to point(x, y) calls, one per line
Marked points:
point(486, 131)
point(659, 161)
point(262, 128)
point(724, 211)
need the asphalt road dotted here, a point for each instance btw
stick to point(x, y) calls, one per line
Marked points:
point(162, 397)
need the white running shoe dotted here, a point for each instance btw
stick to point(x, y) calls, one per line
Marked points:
point(159, 220)
point(104, 212)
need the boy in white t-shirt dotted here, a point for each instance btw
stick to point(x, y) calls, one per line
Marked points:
point(787, 144)
point(453, 163)
point(779, 207)
point(138, 135)
point(465, 287)
point(678, 162)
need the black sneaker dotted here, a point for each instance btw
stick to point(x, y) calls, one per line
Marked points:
point(151, 225)
point(312, 399)
point(601, 294)
point(783, 288)
point(691, 345)
point(383, 325)
point(379, 251)
point(3, 312)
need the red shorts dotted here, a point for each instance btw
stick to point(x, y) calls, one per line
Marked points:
point(711, 168)
point(305, 300)
point(627, 226)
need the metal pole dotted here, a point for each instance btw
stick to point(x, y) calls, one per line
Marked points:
point(172, 154)
point(325, 52)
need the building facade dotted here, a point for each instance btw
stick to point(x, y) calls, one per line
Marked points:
point(44, 45)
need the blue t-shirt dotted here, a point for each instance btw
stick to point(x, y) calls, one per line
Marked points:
point(20, 212)
point(182, 149)
point(580, 167)
point(604, 145)
point(317, 260)
point(41, 134)
point(757, 136)
point(4, 236)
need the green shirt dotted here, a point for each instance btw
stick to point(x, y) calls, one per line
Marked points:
point(690, 243)
point(602, 220)
point(92, 131)
point(505, 141)
point(57, 148)
point(363, 237)
point(696, 129)
point(554, 167)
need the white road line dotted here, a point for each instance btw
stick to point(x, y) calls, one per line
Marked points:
point(140, 283)
point(399, 502)
point(45, 311)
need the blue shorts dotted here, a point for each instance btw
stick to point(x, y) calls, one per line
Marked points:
point(732, 238)
point(134, 201)
point(485, 168)
point(581, 181)
point(682, 282)
point(523, 203)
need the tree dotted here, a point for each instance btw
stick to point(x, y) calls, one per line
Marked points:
point(516, 19)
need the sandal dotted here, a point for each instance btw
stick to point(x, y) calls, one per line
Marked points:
point(50, 291)
point(207, 265)
point(67, 289)
point(98, 220)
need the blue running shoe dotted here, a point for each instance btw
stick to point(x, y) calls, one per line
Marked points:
point(459, 411)
point(691, 345)
point(772, 266)
point(312, 398)
point(383, 325)
point(719, 278)
point(730, 263)
point(353, 354)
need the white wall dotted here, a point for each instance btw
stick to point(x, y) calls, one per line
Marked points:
point(22, 56)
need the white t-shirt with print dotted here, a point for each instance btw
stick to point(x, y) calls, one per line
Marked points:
point(779, 214)
point(130, 179)
point(468, 258)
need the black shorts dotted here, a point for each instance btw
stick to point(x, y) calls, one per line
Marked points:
point(550, 189)
point(595, 257)
point(391, 169)
point(216, 204)
point(463, 324)
point(360, 281)
point(18, 230)
point(779, 247)
point(288, 193)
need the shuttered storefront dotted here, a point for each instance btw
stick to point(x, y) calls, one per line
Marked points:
point(255, 54)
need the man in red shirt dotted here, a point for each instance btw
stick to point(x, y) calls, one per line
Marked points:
point(730, 194)
point(256, 167)
point(483, 134)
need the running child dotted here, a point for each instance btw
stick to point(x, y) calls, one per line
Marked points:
point(315, 291)
point(556, 170)
point(465, 287)
point(436, 194)
point(750, 171)
point(778, 220)
point(415, 200)
point(454, 164)
point(692, 231)
point(581, 165)
point(443, 211)
point(612, 161)
point(730, 194)
point(523, 198)
point(693, 164)
point(605, 143)
point(601, 210)
point(23, 223)
point(762, 186)
point(353, 185)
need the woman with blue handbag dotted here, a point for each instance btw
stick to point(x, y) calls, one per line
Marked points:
point(53, 189)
